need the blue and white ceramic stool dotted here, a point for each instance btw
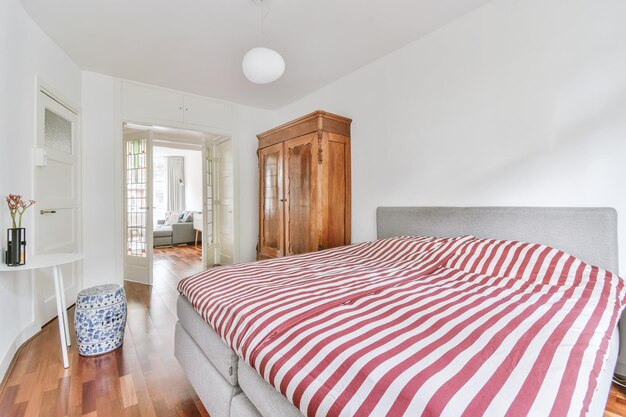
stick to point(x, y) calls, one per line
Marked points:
point(100, 319)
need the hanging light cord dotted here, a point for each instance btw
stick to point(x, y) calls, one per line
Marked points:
point(263, 16)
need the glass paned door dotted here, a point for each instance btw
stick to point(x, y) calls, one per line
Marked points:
point(137, 203)
point(208, 215)
point(136, 197)
point(224, 203)
point(209, 196)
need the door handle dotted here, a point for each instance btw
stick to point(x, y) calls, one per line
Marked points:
point(47, 211)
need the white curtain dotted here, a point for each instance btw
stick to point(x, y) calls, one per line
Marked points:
point(175, 183)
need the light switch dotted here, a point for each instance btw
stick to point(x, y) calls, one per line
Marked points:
point(41, 158)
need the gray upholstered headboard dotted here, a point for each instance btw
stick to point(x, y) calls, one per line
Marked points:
point(587, 233)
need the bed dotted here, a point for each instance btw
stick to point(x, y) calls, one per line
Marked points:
point(230, 386)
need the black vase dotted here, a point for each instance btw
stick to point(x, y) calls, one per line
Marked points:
point(16, 246)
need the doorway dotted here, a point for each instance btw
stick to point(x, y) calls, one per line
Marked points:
point(175, 222)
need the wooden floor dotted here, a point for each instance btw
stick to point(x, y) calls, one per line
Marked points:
point(616, 405)
point(140, 379)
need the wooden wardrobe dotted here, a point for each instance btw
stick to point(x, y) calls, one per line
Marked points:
point(304, 186)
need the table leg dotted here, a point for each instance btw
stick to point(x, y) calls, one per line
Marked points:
point(196, 242)
point(58, 288)
point(68, 339)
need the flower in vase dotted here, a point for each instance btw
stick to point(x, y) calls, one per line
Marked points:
point(17, 207)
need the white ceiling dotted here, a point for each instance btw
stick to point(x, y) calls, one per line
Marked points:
point(197, 45)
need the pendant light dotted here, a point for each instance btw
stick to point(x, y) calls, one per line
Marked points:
point(262, 65)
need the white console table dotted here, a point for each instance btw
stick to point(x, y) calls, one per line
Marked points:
point(54, 261)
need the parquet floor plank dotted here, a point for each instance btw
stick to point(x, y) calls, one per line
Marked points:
point(141, 379)
point(616, 406)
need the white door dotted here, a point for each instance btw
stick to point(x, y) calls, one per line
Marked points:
point(208, 242)
point(224, 203)
point(57, 192)
point(137, 203)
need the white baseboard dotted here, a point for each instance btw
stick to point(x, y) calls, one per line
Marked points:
point(29, 331)
point(136, 282)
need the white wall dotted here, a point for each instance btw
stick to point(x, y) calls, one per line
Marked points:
point(25, 51)
point(193, 174)
point(249, 122)
point(99, 196)
point(517, 103)
point(193, 181)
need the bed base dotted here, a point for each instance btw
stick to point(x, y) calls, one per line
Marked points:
point(244, 394)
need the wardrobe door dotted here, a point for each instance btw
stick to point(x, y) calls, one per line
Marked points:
point(271, 210)
point(336, 191)
point(301, 194)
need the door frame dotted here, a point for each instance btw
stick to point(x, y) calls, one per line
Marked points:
point(43, 87)
point(121, 187)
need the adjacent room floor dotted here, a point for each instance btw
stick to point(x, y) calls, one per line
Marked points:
point(170, 264)
point(143, 377)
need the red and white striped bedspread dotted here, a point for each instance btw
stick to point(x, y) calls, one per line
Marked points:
point(245, 303)
point(415, 326)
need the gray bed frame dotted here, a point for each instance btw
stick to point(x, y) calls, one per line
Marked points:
point(231, 388)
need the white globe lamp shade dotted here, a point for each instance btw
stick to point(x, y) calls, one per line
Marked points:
point(263, 65)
